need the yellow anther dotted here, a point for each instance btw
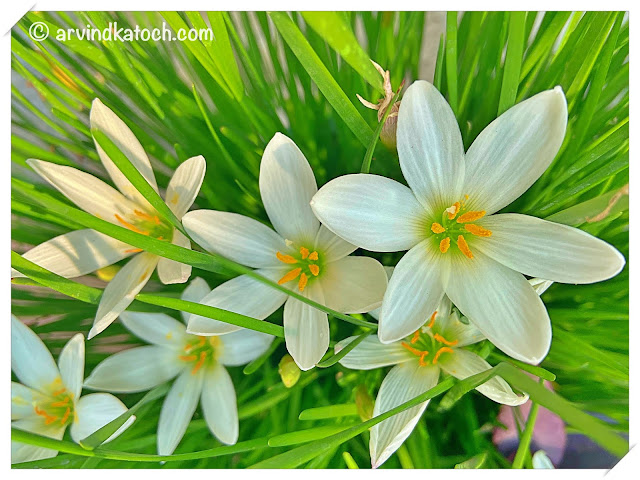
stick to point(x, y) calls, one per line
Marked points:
point(416, 336)
point(188, 358)
point(440, 352)
point(302, 282)
point(201, 342)
point(146, 216)
point(445, 243)
point(59, 392)
point(286, 258)
point(61, 403)
point(432, 320)
point(464, 248)
point(471, 216)
point(198, 366)
point(441, 339)
point(130, 226)
point(437, 228)
point(304, 252)
point(314, 269)
point(477, 230)
point(133, 250)
point(292, 275)
point(313, 256)
point(453, 210)
point(65, 417)
point(414, 350)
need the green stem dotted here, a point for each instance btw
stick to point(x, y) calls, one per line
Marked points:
point(525, 440)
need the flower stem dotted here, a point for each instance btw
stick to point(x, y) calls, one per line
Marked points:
point(525, 440)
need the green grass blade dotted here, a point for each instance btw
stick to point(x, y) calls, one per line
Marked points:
point(513, 61)
point(451, 55)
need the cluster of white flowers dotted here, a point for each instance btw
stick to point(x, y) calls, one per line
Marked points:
point(460, 251)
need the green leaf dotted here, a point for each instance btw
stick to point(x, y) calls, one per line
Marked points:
point(451, 54)
point(332, 27)
point(305, 436)
point(257, 363)
point(335, 358)
point(513, 61)
point(332, 411)
point(321, 76)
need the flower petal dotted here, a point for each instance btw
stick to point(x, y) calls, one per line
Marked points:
point(372, 212)
point(122, 290)
point(135, 370)
point(375, 313)
point(243, 346)
point(103, 118)
point(178, 409)
point(170, 271)
point(287, 185)
point(306, 329)
point(465, 334)
point(430, 147)
point(194, 292)
point(514, 150)
point(353, 284)
point(219, 404)
point(502, 304)
point(540, 248)
point(332, 246)
point(22, 401)
point(21, 452)
point(462, 364)
point(239, 238)
point(185, 184)
point(244, 295)
point(370, 353)
point(540, 285)
point(94, 411)
point(414, 292)
point(71, 365)
point(30, 360)
point(77, 253)
point(402, 383)
point(155, 328)
point(88, 192)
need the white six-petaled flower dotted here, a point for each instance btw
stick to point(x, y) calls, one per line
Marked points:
point(84, 251)
point(457, 245)
point(437, 346)
point(300, 252)
point(196, 362)
point(48, 399)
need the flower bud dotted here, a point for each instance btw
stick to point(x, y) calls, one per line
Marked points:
point(364, 403)
point(388, 133)
point(289, 371)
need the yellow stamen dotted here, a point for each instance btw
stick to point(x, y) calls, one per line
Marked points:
point(201, 343)
point(188, 358)
point(314, 269)
point(445, 243)
point(471, 216)
point(133, 250)
point(129, 225)
point(437, 228)
point(292, 275)
point(414, 350)
point(61, 403)
point(59, 392)
point(304, 252)
point(416, 336)
point(65, 416)
point(464, 248)
point(440, 352)
point(453, 210)
point(433, 319)
point(286, 258)
point(146, 216)
point(477, 230)
point(441, 339)
point(302, 282)
point(313, 256)
point(198, 366)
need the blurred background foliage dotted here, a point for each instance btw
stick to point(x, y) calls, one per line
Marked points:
point(299, 73)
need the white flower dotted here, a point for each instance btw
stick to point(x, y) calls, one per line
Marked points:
point(301, 253)
point(434, 347)
point(48, 399)
point(457, 246)
point(84, 251)
point(196, 362)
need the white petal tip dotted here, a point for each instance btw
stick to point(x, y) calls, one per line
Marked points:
point(558, 89)
point(92, 333)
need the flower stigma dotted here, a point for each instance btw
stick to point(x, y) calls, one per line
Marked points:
point(456, 223)
point(145, 223)
point(306, 267)
point(200, 351)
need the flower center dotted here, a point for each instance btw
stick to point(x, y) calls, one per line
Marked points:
point(200, 351)
point(146, 224)
point(307, 267)
point(428, 345)
point(56, 407)
point(457, 223)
